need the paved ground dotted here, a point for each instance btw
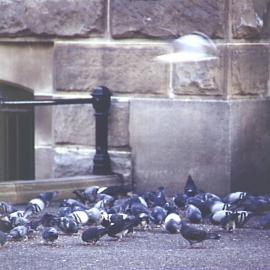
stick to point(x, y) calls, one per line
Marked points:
point(247, 248)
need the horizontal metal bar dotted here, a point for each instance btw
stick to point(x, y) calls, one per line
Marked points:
point(16, 110)
point(45, 102)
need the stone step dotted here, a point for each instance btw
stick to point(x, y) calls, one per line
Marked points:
point(23, 190)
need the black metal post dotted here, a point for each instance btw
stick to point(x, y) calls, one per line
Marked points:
point(101, 103)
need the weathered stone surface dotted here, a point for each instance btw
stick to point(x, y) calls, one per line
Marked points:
point(27, 64)
point(250, 144)
point(43, 125)
point(125, 69)
point(75, 124)
point(249, 70)
point(44, 162)
point(118, 135)
point(74, 161)
point(200, 78)
point(52, 17)
point(250, 18)
point(170, 18)
point(171, 139)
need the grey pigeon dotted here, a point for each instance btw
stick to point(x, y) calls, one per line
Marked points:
point(194, 235)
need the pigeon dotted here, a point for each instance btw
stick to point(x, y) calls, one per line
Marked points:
point(7, 208)
point(170, 207)
point(189, 48)
point(72, 204)
point(180, 199)
point(17, 218)
point(38, 204)
point(235, 196)
point(158, 215)
point(138, 208)
point(190, 188)
point(114, 191)
point(219, 215)
point(5, 225)
point(193, 214)
point(93, 234)
point(80, 217)
point(254, 204)
point(50, 234)
point(48, 220)
point(172, 223)
point(3, 238)
point(215, 206)
point(228, 222)
point(90, 194)
point(150, 197)
point(119, 228)
point(19, 232)
point(67, 226)
point(211, 197)
point(242, 217)
point(94, 215)
point(160, 199)
point(194, 235)
point(199, 203)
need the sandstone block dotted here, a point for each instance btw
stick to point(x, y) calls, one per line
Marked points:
point(75, 124)
point(250, 163)
point(171, 139)
point(75, 161)
point(125, 69)
point(44, 160)
point(52, 17)
point(28, 64)
point(249, 70)
point(170, 18)
point(200, 78)
point(250, 19)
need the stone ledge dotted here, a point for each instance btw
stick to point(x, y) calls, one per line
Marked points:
point(24, 190)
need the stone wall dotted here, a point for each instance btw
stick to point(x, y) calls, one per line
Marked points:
point(217, 111)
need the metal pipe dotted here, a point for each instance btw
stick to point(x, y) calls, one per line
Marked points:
point(101, 101)
point(101, 104)
point(45, 102)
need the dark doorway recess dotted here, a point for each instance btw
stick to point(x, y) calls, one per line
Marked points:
point(16, 135)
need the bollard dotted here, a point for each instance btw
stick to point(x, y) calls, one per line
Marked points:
point(101, 103)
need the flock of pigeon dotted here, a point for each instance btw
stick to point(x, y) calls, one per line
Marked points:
point(97, 212)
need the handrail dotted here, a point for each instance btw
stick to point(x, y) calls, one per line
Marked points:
point(101, 101)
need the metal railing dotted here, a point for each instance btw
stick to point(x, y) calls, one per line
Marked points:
point(101, 101)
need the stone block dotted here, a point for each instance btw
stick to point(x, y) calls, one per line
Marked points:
point(124, 69)
point(44, 161)
point(250, 19)
point(171, 139)
point(250, 144)
point(52, 18)
point(200, 78)
point(164, 19)
point(75, 124)
point(75, 161)
point(72, 161)
point(43, 125)
point(249, 70)
point(28, 65)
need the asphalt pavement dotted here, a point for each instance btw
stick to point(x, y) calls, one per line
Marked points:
point(246, 248)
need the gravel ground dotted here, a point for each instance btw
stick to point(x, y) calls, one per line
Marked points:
point(246, 248)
